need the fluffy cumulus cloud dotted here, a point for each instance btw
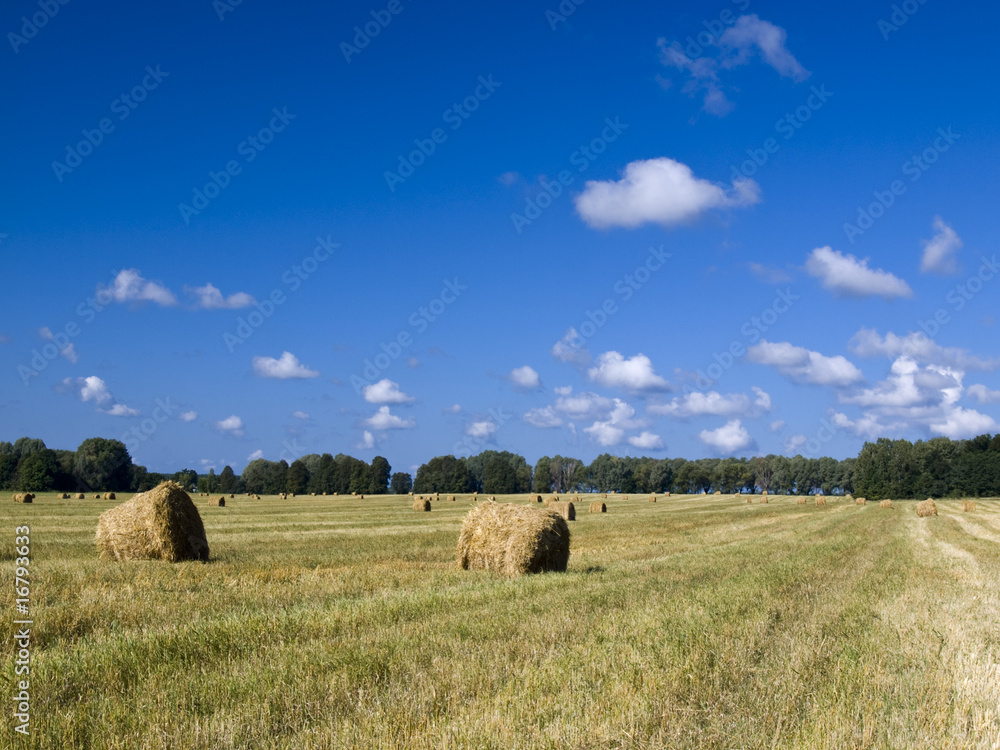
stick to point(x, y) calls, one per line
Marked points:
point(255, 455)
point(544, 418)
point(727, 440)
point(384, 420)
point(285, 367)
point(386, 391)
point(658, 191)
point(232, 425)
point(130, 286)
point(983, 395)
point(524, 379)
point(634, 374)
point(646, 441)
point(803, 365)
point(914, 397)
point(940, 251)
point(367, 441)
point(92, 388)
point(748, 38)
point(209, 297)
point(189, 416)
point(66, 347)
point(847, 276)
point(610, 430)
point(585, 405)
point(481, 430)
point(570, 348)
point(712, 403)
point(869, 343)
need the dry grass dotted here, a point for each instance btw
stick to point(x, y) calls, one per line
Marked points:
point(926, 508)
point(161, 524)
point(513, 540)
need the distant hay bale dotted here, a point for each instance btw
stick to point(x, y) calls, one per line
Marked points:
point(860, 501)
point(492, 499)
point(513, 540)
point(801, 501)
point(64, 496)
point(749, 498)
point(161, 524)
point(360, 496)
point(926, 508)
point(534, 498)
point(451, 498)
point(764, 493)
point(968, 506)
point(24, 497)
point(281, 496)
point(421, 505)
point(763, 499)
point(668, 494)
point(109, 496)
point(80, 496)
point(820, 499)
point(604, 496)
point(652, 499)
point(549, 501)
point(718, 492)
point(598, 507)
point(233, 495)
point(97, 496)
point(885, 504)
point(565, 509)
point(221, 502)
point(624, 497)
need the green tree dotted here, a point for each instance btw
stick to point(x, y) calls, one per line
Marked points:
point(401, 484)
point(297, 478)
point(186, 478)
point(542, 479)
point(228, 481)
point(37, 471)
point(444, 474)
point(379, 473)
point(103, 464)
point(499, 477)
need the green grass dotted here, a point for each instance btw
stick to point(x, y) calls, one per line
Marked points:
point(693, 622)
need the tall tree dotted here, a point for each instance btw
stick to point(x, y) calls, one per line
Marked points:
point(103, 464)
point(379, 473)
point(401, 483)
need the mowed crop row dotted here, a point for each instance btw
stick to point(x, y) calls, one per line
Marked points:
point(690, 622)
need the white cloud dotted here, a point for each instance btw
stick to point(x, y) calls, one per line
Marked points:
point(778, 425)
point(481, 430)
point(583, 405)
point(255, 455)
point(737, 45)
point(525, 379)
point(941, 249)
point(120, 410)
point(130, 286)
point(384, 420)
point(288, 366)
point(909, 385)
point(68, 351)
point(611, 430)
point(570, 348)
point(868, 343)
point(661, 191)
point(983, 395)
point(804, 365)
point(960, 424)
point(563, 390)
point(300, 415)
point(189, 416)
point(728, 439)
point(545, 417)
point(646, 441)
point(634, 374)
point(697, 404)
point(367, 441)
point(453, 409)
point(231, 426)
point(793, 443)
point(386, 391)
point(846, 276)
point(92, 388)
point(208, 297)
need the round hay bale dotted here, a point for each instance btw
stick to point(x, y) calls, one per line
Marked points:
point(80, 496)
point(926, 508)
point(221, 502)
point(604, 496)
point(652, 499)
point(968, 506)
point(232, 495)
point(624, 497)
point(360, 496)
point(861, 501)
point(534, 498)
point(421, 505)
point(718, 492)
point(764, 493)
point(161, 524)
point(64, 496)
point(110, 496)
point(763, 499)
point(598, 507)
point(513, 540)
point(313, 494)
point(451, 498)
point(750, 499)
point(820, 499)
point(565, 509)
point(97, 496)
point(667, 494)
point(291, 494)
point(24, 497)
point(801, 501)
point(549, 501)
point(885, 504)
point(492, 499)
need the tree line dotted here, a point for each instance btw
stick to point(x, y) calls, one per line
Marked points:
point(939, 467)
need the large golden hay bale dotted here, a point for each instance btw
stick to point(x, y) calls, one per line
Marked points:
point(598, 507)
point(221, 502)
point(110, 496)
point(565, 509)
point(861, 501)
point(421, 505)
point(80, 496)
point(820, 499)
point(801, 501)
point(513, 539)
point(161, 524)
point(926, 508)
point(885, 504)
point(968, 506)
point(24, 497)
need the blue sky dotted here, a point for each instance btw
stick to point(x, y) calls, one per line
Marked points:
point(690, 230)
